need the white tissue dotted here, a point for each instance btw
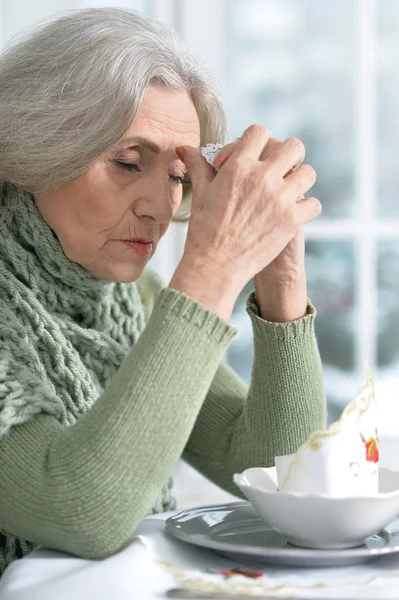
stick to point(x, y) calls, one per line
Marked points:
point(340, 461)
point(210, 151)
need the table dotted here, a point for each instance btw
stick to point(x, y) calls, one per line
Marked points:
point(49, 575)
point(135, 573)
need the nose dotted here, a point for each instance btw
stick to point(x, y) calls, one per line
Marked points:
point(155, 201)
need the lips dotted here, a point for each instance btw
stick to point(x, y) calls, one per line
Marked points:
point(144, 248)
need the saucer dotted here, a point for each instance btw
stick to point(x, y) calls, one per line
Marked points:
point(236, 531)
point(321, 521)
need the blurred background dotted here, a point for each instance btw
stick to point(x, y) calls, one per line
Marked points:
point(326, 72)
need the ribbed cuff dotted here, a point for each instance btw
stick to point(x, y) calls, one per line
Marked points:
point(281, 331)
point(197, 314)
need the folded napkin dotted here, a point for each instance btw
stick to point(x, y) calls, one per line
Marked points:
point(341, 461)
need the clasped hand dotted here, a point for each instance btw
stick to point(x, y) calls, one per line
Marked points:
point(246, 221)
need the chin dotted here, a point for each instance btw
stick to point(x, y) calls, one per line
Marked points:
point(119, 273)
point(126, 274)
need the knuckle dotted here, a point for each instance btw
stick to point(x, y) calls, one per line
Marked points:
point(258, 130)
point(309, 172)
point(317, 206)
point(313, 209)
point(296, 144)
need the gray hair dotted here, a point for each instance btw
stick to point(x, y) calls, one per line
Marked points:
point(71, 89)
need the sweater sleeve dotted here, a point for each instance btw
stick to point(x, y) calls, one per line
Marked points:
point(85, 488)
point(239, 427)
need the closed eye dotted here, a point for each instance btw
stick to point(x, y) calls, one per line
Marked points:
point(127, 166)
point(134, 167)
point(180, 180)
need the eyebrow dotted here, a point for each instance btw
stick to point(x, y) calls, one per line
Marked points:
point(141, 141)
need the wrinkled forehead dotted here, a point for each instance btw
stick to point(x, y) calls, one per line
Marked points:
point(168, 118)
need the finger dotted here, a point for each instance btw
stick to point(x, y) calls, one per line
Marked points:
point(287, 156)
point(302, 179)
point(308, 209)
point(224, 154)
point(270, 147)
point(197, 167)
point(252, 142)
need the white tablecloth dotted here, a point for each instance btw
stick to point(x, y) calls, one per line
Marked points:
point(140, 570)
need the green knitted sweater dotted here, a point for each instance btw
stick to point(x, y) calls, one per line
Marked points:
point(103, 386)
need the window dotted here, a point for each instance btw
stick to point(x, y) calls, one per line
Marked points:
point(325, 72)
point(294, 62)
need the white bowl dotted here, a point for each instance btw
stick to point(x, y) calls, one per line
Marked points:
point(320, 521)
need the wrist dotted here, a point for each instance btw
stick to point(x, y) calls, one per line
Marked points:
point(281, 301)
point(207, 284)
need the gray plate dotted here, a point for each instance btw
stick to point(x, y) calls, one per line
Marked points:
point(236, 531)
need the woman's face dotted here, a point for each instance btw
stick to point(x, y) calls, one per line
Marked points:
point(130, 193)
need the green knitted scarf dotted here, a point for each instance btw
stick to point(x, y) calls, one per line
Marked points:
point(63, 333)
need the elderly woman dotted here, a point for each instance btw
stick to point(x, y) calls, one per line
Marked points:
point(108, 376)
